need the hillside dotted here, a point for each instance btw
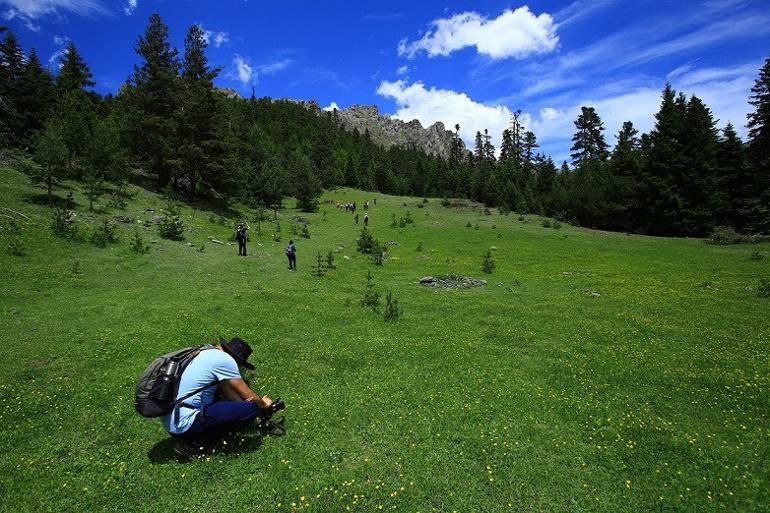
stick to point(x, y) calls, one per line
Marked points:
point(593, 371)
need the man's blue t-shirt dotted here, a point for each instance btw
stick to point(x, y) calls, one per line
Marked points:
point(210, 366)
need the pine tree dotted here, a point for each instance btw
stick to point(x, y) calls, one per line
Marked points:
point(625, 170)
point(51, 155)
point(36, 96)
point(11, 69)
point(73, 73)
point(588, 141)
point(664, 163)
point(308, 187)
point(198, 151)
point(152, 100)
point(757, 206)
point(734, 180)
point(698, 181)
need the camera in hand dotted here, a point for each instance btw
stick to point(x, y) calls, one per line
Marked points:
point(274, 408)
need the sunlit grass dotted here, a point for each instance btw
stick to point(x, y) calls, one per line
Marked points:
point(591, 373)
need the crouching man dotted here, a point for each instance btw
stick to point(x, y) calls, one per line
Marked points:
point(226, 405)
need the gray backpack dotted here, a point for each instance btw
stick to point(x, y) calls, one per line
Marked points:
point(159, 383)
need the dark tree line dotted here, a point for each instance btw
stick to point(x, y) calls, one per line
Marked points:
point(170, 123)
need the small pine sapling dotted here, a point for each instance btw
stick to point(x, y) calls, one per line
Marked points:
point(365, 241)
point(277, 234)
point(468, 225)
point(305, 232)
point(392, 310)
point(137, 244)
point(393, 222)
point(371, 296)
point(330, 260)
point(488, 265)
point(378, 253)
point(757, 256)
point(318, 269)
point(763, 290)
point(419, 247)
point(105, 233)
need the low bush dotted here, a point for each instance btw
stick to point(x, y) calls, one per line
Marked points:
point(763, 290)
point(105, 233)
point(392, 310)
point(137, 244)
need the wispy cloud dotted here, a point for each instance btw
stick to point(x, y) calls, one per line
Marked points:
point(515, 34)
point(383, 16)
point(29, 12)
point(215, 37)
point(248, 74)
point(129, 7)
point(244, 72)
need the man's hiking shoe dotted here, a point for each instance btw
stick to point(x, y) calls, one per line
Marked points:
point(185, 451)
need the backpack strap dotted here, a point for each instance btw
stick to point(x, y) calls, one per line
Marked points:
point(180, 401)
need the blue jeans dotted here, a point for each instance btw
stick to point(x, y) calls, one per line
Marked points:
point(218, 419)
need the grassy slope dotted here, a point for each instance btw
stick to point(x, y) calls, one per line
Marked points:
point(537, 397)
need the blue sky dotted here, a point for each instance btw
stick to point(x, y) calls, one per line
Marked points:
point(471, 63)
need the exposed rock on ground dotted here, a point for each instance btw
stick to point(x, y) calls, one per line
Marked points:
point(451, 282)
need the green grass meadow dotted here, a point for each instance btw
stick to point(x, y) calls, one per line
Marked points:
point(594, 371)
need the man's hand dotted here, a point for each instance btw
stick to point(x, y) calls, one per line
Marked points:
point(266, 402)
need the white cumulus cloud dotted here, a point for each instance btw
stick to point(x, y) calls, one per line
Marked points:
point(332, 106)
point(516, 34)
point(415, 101)
point(403, 70)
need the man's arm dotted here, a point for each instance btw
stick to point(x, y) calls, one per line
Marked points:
point(237, 390)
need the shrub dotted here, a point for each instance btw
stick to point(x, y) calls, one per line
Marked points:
point(393, 221)
point(763, 290)
point(117, 201)
point(318, 269)
point(392, 310)
point(305, 232)
point(63, 220)
point(425, 200)
point(137, 244)
point(371, 296)
point(330, 260)
point(757, 256)
point(15, 243)
point(408, 218)
point(476, 227)
point(488, 265)
point(487, 212)
point(724, 235)
point(556, 225)
point(468, 225)
point(171, 227)
point(522, 218)
point(378, 253)
point(546, 223)
point(105, 233)
point(277, 234)
point(419, 247)
point(445, 202)
point(365, 241)
point(75, 269)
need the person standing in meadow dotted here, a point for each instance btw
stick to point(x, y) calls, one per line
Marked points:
point(241, 234)
point(291, 254)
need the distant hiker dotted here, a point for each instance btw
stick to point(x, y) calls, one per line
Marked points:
point(291, 254)
point(241, 234)
point(375, 202)
point(356, 218)
point(366, 219)
point(226, 405)
point(354, 206)
point(366, 205)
